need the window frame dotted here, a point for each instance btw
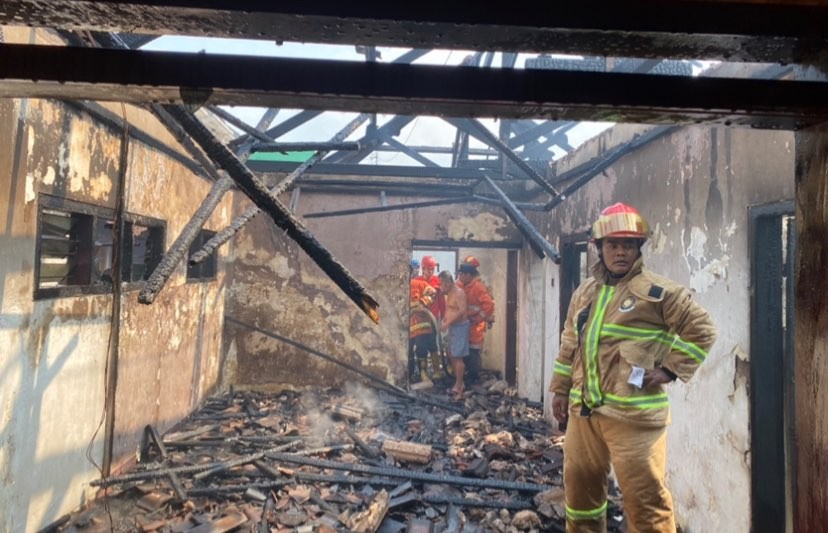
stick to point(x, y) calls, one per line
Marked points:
point(98, 215)
point(203, 236)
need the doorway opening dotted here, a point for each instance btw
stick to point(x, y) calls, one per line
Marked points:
point(772, 417)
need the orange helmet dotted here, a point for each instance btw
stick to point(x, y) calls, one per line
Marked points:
point(429, 262)
point(472, 260)
point(622, 221)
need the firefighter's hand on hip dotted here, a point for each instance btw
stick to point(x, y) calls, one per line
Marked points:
point(656, 376)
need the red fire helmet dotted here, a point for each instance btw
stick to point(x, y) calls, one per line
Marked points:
point(622, 221)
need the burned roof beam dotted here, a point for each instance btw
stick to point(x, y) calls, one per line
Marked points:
point(597, 165)
point(235, 121)
point(480, 131)
point(268, 202)
point(536, 241)
point(289, 124)
point(536, 132)
point(362, 186)
point(391, 171)
point(373, 138)
point(139, 76)
point(741, 31)
point(398, 207)
point(409, 151)
point(284, 147)
point(240, 221)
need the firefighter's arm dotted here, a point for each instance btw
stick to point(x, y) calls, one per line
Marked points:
point(487, 306)
point(562, 369)
point(695, 333)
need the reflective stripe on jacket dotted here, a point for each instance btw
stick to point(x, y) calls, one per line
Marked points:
point(645, 320)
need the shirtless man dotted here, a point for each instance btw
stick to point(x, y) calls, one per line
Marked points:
point(456, 323)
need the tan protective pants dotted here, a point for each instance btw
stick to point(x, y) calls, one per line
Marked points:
point(638, 455)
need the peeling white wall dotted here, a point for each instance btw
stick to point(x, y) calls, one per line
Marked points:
point(532, 321)
point(54, 351)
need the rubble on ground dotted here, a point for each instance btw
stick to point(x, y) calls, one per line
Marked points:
point(359, 459)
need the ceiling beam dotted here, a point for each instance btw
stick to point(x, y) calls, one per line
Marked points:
point(742, 31)
point(139, 77)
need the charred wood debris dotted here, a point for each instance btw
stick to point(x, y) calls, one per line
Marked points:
point(358, 459)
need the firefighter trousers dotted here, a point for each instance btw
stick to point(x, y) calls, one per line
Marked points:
point(638, 455)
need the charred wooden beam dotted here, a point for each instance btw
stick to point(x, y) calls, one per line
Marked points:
point(265, 200)
point(538, 242)
point(305, 146)
point(240, 221)
point(783, 32)
point(139, 76)
point(411, 474)
point(372, 378)
point(387, 171)
point(372, 139)
point(397, 207)
point(240, 124)
point(480, 131)
point(597, 165)
point(409, 151)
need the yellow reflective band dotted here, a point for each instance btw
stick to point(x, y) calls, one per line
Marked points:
point(419, 326)
point(562, 369)
point(664, 337)
point(651, 401)
point(591, 514)
point(594, 396)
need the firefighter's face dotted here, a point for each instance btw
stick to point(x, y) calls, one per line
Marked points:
point(428, 271)
point(619, 254)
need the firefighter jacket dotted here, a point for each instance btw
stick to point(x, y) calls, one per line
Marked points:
point(646, 321)
point(420, 319)
point(438, 306)
point(481, 308)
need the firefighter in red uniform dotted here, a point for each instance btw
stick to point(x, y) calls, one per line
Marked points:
point(481, 308)
point(438, 310)
point(627, 333)
point(422, 329)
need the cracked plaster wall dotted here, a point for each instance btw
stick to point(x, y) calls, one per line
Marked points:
point(54, 354)
point(278, 288)
point(695, 186)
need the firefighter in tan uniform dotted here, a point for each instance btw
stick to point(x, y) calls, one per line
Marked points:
point(628, 332)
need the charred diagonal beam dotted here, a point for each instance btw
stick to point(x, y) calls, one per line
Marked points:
point(539, 244)
point(239, 123)
point(371, 139)
point(411, 474)
point(139, 76)
point(388, 171)
point(240, 221)
point(305, 146)
point(268, 202)
point(384, 385)
point(534, 133)
point(480, 131)
point(597, 165)
point(331, 359)
point(165, 268)
point(409, 151)
point(738, 31)
point(283, 127)
point(397, 207)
